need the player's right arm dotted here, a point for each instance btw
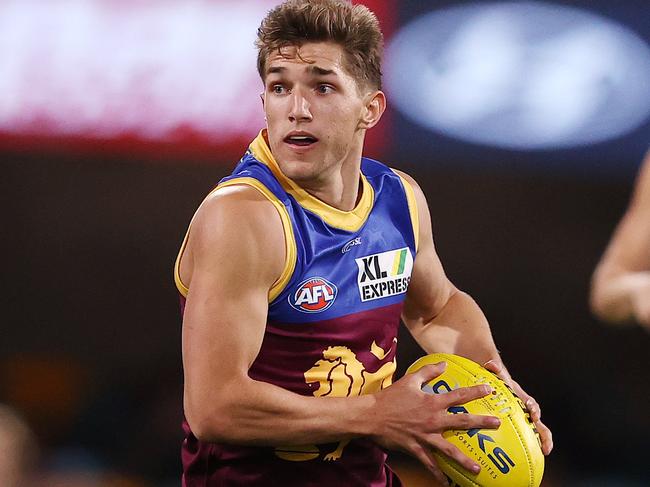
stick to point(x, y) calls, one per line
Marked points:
point(236, 252)
point(234, 255)
point(620, 291)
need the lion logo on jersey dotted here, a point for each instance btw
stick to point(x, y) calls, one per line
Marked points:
point(341, 374)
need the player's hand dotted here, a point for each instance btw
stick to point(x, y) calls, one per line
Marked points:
point(411, 420)
point(531, 404)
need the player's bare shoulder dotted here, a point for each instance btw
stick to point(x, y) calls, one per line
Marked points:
point(234, 209)
point(237, 220)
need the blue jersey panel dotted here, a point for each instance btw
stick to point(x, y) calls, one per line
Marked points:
point(339, 272)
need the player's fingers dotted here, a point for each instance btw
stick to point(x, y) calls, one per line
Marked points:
point(439, 476)
point(463, 395)
point(546, 436)
point(493, 366)
point(451, 451)
point(498, 369)
point(531, 405)
point(424, 455)
point(470, 421)
point(533, 409)
point(421, 454)
point(428, 373)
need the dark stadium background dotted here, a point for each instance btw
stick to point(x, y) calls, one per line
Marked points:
point(90, 349)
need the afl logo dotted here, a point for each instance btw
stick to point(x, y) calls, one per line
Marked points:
point(313, 295)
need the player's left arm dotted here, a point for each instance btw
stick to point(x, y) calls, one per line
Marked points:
point(444, 319)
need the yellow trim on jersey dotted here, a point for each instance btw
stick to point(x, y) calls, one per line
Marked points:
point(291, 251)
point(345, 220)
point(182, 288)
point(180, 285)
point(413, 209)
point(289, 239)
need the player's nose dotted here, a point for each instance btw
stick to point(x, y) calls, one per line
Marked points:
point(300, 108)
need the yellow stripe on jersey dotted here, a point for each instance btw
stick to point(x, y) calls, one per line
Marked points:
point(350, 221)
point(413, 209)
point(291, 252)
point(396, 260)
point(180, 285)
point(182, 288)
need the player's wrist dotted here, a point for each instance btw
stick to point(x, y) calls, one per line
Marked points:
point(363, 417)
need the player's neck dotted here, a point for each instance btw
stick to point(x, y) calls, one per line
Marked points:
point(342, 187)
point(342, 193)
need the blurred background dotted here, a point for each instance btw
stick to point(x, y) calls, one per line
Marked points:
point(524, 122)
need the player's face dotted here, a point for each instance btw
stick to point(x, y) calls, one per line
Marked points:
point(314, 111)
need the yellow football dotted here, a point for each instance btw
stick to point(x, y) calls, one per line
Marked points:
point(510, 456)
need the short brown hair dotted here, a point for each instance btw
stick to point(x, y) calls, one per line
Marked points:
point(354, 27)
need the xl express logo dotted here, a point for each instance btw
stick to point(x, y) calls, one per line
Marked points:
point(385, 274)
point(313, 295)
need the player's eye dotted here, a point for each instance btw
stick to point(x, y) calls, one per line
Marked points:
point(324, 89)
point(278, 89)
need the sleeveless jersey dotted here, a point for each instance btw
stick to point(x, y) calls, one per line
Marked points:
point(332, 322)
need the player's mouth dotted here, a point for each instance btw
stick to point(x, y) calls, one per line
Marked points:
point(300, 139)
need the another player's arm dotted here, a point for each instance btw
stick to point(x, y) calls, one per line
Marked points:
point(442, 318)
point(620, 291)
point(236, 251)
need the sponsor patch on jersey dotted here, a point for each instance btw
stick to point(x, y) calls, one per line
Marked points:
point(350, 244)
point(313, 295)
point(383, 275)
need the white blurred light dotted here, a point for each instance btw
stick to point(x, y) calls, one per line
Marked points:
point(148, 67)
point(520, 75)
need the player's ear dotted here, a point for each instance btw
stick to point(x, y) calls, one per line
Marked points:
point(263, 104)
point(373, 110)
